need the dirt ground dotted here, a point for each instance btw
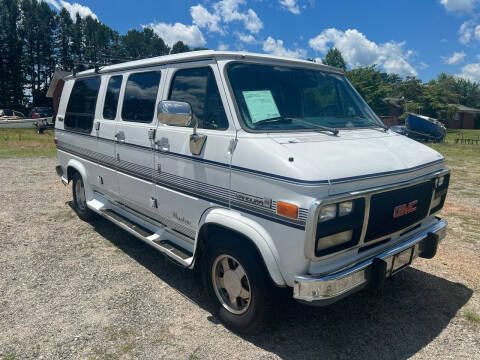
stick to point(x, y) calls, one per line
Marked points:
point(76, 290)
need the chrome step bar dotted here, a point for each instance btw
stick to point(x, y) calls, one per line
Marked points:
point(159, 237)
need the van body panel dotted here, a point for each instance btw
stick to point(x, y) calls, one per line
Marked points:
point(147, 170)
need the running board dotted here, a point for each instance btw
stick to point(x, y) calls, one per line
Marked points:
point(157, 239)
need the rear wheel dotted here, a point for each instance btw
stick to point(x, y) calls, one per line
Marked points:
point(79, 198)
point(235, 283)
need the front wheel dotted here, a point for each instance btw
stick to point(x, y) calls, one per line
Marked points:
point(235, 283)
point(80, 199)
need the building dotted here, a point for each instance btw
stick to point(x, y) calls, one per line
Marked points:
point(465, 118)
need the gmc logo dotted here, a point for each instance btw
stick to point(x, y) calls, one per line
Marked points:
point(404, 209)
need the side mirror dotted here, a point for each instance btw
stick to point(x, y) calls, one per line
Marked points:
point(174, 113)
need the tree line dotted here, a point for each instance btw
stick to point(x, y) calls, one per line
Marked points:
point(435, 98)
point(36, 39)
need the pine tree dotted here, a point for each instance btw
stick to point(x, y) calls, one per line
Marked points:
point(334, 58)
point(179, 47)
point(64, 39)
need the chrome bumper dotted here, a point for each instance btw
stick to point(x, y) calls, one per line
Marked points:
point(326, 289)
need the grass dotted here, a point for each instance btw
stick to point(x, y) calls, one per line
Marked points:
point(22, 143)
point(472, 317)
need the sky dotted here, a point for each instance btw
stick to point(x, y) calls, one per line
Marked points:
point(411, 38)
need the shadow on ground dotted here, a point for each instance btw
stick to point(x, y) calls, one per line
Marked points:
point(414, 309)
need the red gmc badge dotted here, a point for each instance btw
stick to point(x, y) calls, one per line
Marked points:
point(405, 209)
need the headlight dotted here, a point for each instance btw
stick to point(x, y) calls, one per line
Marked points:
point(339, 226)
point(345, 208)
point(328, 212)
point(334, 240)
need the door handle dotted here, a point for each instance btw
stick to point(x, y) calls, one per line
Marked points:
point(162, 145)
point(97, 125)
point(120, 136)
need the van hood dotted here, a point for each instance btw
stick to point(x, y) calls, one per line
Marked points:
point(359, 154)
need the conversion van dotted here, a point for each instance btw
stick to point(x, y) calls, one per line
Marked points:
point(257, 170)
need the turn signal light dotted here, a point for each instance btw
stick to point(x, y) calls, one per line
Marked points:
point(287, 209)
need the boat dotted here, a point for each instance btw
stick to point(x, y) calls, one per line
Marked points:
point(424, 128)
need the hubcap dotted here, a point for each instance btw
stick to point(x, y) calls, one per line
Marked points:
point(80, 194)
point(231, 284)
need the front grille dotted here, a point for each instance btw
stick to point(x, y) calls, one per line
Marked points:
point(381, 221)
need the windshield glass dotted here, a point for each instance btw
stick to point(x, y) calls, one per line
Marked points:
point(286, 99)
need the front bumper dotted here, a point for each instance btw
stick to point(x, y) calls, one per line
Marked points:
point(326, 289)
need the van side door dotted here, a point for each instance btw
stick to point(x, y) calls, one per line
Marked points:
point(187, 184)
point(105, 130)
point(134, 141)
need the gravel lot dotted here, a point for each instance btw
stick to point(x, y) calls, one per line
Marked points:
point(76, 290)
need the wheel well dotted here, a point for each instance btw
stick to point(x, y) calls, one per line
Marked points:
point(70, 172)
point(210, 228)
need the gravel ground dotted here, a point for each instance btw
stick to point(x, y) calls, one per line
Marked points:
point(76, 290)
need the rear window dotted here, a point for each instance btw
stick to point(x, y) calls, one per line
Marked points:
point(140, 97)
point(81, 105)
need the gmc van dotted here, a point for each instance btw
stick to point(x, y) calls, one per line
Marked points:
point(255, 169)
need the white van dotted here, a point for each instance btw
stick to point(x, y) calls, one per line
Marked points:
point(256, 169)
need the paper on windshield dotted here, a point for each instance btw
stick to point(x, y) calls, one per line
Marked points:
point(261, 105)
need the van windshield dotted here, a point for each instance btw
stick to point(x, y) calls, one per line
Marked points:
point(277, 98)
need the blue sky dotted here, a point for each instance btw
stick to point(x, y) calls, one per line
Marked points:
point(410, 37)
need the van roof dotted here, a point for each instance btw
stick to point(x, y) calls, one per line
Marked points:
point(203, 55)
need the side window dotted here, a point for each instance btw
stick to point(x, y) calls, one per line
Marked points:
point(140, 97)
point(111, 97)
point(199, 88)
point(81, 105)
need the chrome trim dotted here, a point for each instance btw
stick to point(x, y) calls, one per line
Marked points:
point(326, 287)
point(311, 226)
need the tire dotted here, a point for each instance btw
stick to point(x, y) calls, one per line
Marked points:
point(220, 267)
point(79, 198)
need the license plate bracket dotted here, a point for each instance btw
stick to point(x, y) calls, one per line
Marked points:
point(402, 260)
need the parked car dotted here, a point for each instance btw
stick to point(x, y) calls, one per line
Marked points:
point(41, 112)
point(258, 170)
point(7, 114)
point(45, 116)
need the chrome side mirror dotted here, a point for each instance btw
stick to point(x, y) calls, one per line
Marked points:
point(174, 113)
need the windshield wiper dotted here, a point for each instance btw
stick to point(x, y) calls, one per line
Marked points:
point(334, 131)
point(290, 119)
point(273, 119)
point(369, 122)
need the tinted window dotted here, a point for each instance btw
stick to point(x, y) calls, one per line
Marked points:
point(111, 97)
point(81, 105)
point(199, 88)
point(140, 97)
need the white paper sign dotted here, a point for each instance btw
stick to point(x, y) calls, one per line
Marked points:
point(261, 105)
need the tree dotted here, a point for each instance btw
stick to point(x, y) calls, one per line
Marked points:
point(12, 77)
point(371, 84)
point(64, 40)
point(179, 47)
point(334, 58)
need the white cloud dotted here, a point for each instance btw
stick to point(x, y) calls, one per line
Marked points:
point(224, 12)
point(357, 50)
point(73, 9)
point(455, 58)
point(471, 72)
point(203, 18)
point(189, 34)
point(459, 6)
point(290, 5)
point(246, 38)
point(469, 31)
point(222, 46)
point(277, 48)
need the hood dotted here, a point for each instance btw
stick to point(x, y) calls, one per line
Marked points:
point(359, 155)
